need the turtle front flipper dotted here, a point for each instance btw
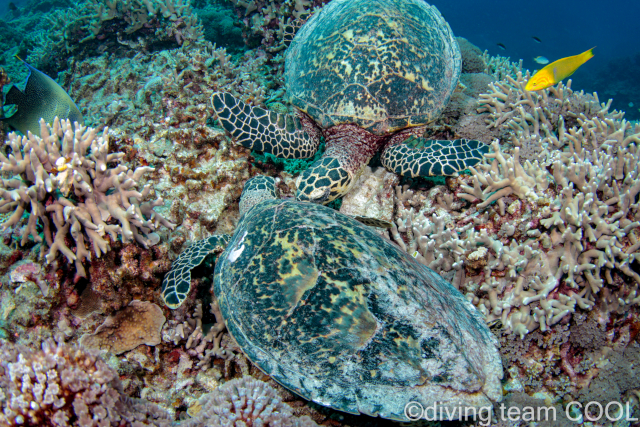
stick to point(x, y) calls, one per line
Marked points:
point(422, 157)
point(177, 282)
point(283, 135)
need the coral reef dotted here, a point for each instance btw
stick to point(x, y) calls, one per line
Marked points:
point(245, 401)
point(97, 26)
point(545, 233)
point(616, 79)
point(68, 161)
point(65, 386)
point(26, 297)
point(160, 103)
point(269, 23)
point(542, 237)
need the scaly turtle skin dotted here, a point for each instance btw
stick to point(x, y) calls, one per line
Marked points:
point(366, 75)
point(344, 318)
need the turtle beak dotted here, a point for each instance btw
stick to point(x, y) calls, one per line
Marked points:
point(318, 195)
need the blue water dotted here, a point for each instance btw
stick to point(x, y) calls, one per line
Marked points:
point(565, 28)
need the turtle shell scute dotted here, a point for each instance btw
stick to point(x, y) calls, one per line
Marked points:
point(382, 64)
point(337, 314)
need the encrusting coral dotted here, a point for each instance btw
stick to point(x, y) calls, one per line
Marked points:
point(65, 182)
point(138, 323)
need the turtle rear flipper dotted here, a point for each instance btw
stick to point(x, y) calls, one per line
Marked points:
point(423, 157)
point(177, 282)
point(283, 135)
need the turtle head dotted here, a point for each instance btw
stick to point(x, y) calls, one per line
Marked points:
point(324, 181)
point(256, 190)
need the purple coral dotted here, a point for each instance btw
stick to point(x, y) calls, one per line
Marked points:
point(62, 385)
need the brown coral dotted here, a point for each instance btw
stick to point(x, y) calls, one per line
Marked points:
point(138, 323)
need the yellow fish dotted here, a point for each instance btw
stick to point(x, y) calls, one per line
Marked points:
point(557, 71)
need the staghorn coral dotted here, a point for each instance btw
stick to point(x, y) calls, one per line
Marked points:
point(587, 221)
point(61, 385)
point(245, 401)
point(500, 67)
point(67, 164)
point(544, 235)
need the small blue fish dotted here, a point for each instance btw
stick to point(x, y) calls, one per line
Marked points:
point(541, 60)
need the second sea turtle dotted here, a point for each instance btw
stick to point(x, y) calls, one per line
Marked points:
point(341, 316)
point(366, 75)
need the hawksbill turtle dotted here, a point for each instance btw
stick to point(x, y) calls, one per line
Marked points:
point(366, 75)
point(340, 315)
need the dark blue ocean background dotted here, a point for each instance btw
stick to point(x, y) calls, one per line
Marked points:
point(565, 28)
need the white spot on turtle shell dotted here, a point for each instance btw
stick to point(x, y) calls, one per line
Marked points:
point(234, 254)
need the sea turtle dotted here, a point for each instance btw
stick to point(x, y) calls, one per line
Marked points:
point(341, 316)
point(367, 75)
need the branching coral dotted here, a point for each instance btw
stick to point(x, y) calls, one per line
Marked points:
point(499, 66)
point(65, 386)
point(587, 230)
point(197, 342)
point(544, 235)
point(66, 185)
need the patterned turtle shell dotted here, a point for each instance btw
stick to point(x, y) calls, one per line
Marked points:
point(381, 64)
point(344, 318)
